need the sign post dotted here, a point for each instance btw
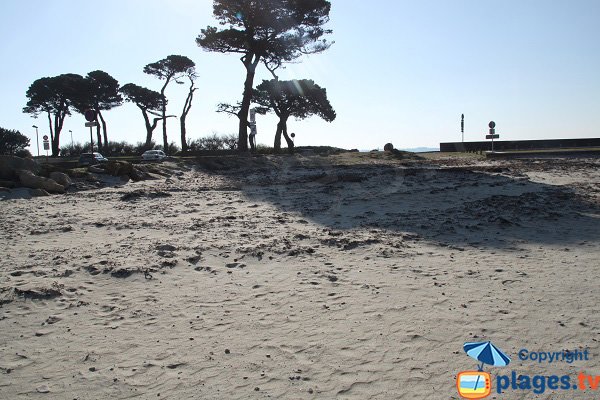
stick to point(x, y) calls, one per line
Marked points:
point(46, 146)
point(90, 117)
point(492, 135)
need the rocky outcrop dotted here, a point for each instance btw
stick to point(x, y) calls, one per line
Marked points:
point(9, 165)
point(122, 169)
point(7, 184)
point(28, 179)
point(61, 178)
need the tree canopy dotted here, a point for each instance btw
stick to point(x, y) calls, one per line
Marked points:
point(295, 98)
point(168, 69)
point(270, 31)
point(148, 101)
point(144, 98)
point(171, 68)
point(54, 96)
point(104, 91)
point(277, 31)
point(98, 91)
point(12, 142)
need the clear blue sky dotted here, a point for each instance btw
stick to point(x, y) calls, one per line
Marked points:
point(399, 71)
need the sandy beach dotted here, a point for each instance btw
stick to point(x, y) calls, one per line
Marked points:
point(353, 276)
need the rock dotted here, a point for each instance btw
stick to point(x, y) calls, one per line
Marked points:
point(28, 179)
point(235, 265)
point(38, 192)
point(43, 389)
point(9, 165)
point(388, 147)
point(151, 176)
point(118, 168)
point(38, 292)
point(61, 178)
point(7, 184)
point(166, 247)
point(138, 174)
point(122, 273)
point(132, 196)
point(96, 170)
point(123, 169)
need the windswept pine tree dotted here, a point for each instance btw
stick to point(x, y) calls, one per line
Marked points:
point(99, 91)
point(169, 69)
point(273, 32)
point(296, 98)
point(54, 96)
point(149, 102)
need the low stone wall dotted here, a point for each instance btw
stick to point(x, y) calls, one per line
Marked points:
point(508, 145)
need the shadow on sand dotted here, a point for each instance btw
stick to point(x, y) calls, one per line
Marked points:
point(495, 207)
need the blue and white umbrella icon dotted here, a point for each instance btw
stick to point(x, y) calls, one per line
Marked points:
point(486, 353)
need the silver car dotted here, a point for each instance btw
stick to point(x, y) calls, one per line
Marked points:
point(91, 159)
point(154, 155)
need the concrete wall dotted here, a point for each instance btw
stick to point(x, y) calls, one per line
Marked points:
point(508, 145)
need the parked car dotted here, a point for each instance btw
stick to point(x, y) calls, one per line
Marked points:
point(91, 158)
point(154, 155)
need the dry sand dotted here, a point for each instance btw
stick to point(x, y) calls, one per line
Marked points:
point(306, 277)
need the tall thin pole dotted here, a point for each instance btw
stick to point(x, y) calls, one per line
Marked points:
point(71, 132)
point(91, 139)
point(37, 138)
point(462, 126)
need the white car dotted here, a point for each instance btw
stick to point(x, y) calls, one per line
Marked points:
point(154, 155)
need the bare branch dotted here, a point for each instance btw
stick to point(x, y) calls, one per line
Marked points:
point(229, 108)
point(272, 69)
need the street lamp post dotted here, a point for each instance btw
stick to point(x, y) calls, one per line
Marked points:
point(37, 137)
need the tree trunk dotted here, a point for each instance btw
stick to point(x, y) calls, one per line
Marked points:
point(186, 109)
point(55, 144)
point(164, 117)
point(290, 142)
point(59, 118)
point(103, 130)
point(99, 137)
point(50, 125)
point(184, 146)
point(277, 144)
point(165, 140)
point(246, 100)
point(149, 128)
